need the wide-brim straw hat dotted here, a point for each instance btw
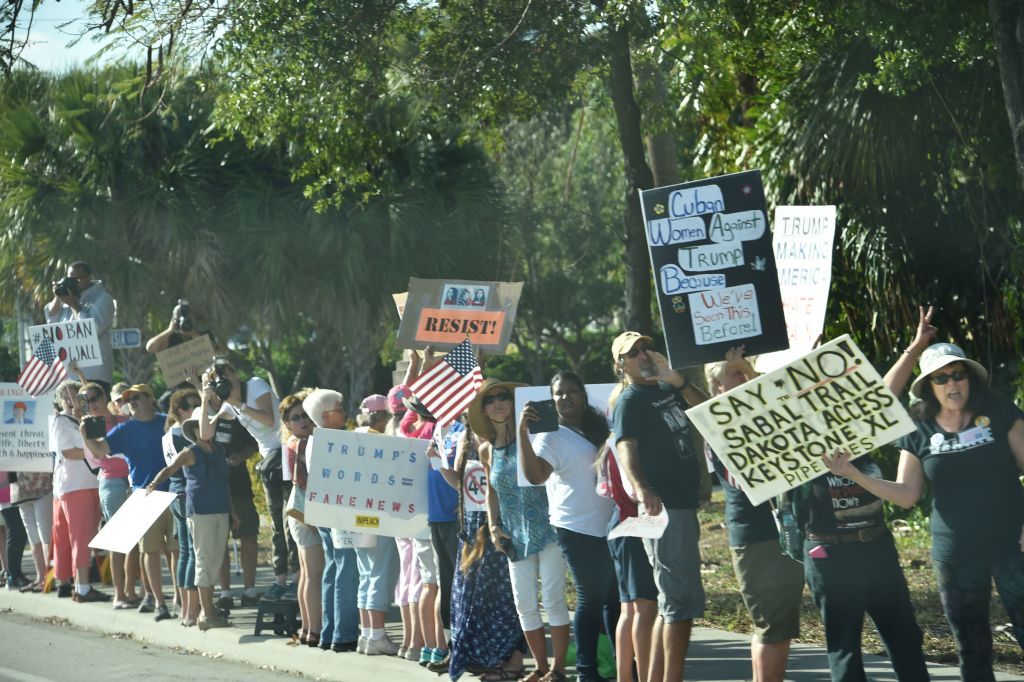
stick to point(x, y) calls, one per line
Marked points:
point(937, 356)
point(189, 427)
point(478, 421)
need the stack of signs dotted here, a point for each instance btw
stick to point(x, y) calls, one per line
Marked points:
point(24, 430)
point(443, 312)
point(368, 483)
point(74, 341)
point(802, 238)
point(712, 255)
point(771, 432)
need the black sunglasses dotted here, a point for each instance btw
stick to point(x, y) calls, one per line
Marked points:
point(496, 397)
point(90, 397)
point(941, 379)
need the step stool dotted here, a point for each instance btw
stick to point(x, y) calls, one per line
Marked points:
point(280, 616)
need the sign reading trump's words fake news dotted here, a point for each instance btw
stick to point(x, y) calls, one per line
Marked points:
point(368, 483)
point(772, 431)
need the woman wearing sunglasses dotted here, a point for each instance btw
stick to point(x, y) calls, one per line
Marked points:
point(520, 528)
point(296, 428)
point(969, 445)
point(182, 404)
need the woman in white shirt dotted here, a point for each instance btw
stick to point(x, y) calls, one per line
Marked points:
point(564, 460)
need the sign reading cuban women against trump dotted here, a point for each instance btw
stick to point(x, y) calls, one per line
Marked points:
point(74, 341)
point(771, 432)
point(443, 312)
point(713, 265)
point(24, 430)
point(802, 238)
point(367, 482)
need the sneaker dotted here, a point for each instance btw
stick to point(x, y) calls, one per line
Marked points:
point(64, 591)
point(250, 599)
point(413, 654)
point(291, 591)
point(17, 582)
point(361, 644)
point(90, 596)
point(343, 647)
point(381, 647)
point(440, 667)
point(123, 605)
point(225, 601)
point(162, 613)
point(213, 622)
point(147, 604)
point(275, 592)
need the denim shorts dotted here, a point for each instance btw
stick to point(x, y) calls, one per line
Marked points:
point(113, 493)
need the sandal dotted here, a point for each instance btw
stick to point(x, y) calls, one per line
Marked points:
point(554, 676)
point(501, 674)
point(537, 676)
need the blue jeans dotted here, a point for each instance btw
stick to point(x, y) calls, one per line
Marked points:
point(965, 588)
point(597, 596)
point(186, 568)
point(338, 593)
point(378, 574)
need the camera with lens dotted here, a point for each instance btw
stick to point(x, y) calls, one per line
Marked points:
point(66, 287)
point(95, 427)
point(221, 384)
point(184, 318)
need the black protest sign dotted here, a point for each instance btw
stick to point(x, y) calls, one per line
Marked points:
point(714, 268)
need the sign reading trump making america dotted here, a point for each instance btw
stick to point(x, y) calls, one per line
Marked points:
point(367, 482)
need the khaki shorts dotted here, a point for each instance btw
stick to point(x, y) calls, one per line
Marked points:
point(160, 536)
point(771, 585)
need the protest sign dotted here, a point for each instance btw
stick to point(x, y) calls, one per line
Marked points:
point(367, 482)
point(443, 312)
point(126, 527)
point(74, 341)
point(772, 431)
point(474, 487)
point(597, 396)
point(714, 269)
point(186, 360)
point(802, 241)
point(24, 430)
point(650, 527)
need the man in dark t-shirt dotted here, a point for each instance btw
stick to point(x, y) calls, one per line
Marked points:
point(652, 440)
point(771, 583)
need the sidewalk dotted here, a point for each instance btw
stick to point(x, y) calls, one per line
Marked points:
point(714, 654)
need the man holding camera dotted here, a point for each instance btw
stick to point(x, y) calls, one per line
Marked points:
point(78, 296)
point(182, 328)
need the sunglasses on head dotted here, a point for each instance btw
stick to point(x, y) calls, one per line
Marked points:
point(636, 350)
point(504, 397)
point(302, 416)
point(940, 379)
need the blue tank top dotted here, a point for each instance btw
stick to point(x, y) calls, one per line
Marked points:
point(524, 511)
point(206, 490)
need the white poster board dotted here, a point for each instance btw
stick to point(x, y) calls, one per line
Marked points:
point(643, 526)
point(772, 431)
point(597, 396)
point(802, 241)
point(368, 483)
point(74, 341)
point(24, 431)
point(191, 357)
point(125, 528)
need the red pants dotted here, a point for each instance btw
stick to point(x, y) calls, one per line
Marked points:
point(76, 518)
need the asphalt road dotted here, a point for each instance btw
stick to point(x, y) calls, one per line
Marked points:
point(50, 651)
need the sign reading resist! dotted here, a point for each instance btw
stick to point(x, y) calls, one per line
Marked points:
point(712, 255)
point(771, 432)
point(368, 483)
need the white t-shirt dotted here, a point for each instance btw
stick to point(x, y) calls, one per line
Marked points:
point(268, 438)
point(573, 502)
point(69, 475)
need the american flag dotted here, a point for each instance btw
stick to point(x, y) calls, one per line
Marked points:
point(448, 388)
point(44, 371)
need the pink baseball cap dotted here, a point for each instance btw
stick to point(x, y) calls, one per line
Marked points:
point(373, 403)
point(395, 395)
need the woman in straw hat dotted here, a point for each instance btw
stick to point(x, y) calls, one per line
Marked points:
point(969, 445)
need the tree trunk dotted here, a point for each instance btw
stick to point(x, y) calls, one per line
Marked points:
point(1008, 27)
point(638, 177)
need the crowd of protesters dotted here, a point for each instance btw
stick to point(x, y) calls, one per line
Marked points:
point(471, 594)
